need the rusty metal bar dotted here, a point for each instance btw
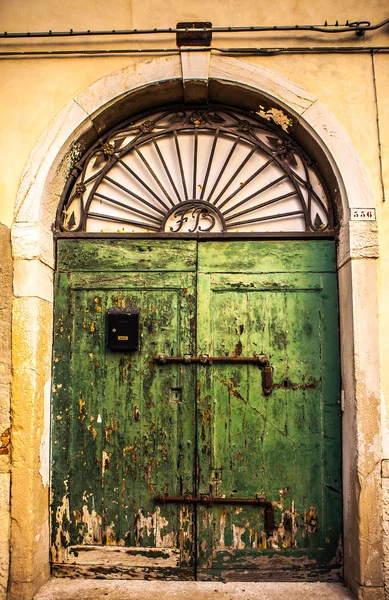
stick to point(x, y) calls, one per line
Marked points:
point(209, 500)
point(140, 179)
point(267, 379)
point(260, 359)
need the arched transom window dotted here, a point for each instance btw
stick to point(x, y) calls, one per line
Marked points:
point(195, 171)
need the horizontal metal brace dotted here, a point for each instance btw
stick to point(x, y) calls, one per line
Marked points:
point(209, 500)
point(259, 359)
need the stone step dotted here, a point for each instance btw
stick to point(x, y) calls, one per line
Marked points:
point(94, 589)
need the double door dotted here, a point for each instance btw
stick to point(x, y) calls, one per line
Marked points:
point(213, 449)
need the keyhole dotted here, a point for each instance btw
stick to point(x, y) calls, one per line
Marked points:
point(286, 383)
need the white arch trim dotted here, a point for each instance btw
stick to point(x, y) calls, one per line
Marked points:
point(78, 114)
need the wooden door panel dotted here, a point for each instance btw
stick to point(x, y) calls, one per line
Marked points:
point(129, 431)
point(126, 256)
point(284, 447)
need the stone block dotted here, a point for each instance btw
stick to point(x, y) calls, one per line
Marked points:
point(31, 362)
point(32, 241)
point(33, 278)
point(273, 84)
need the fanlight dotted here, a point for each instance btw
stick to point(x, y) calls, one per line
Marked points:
point(196, 172)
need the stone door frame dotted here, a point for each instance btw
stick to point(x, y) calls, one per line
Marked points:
point(193, 78)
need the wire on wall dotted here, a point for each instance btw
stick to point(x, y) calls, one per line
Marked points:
point(378, 130)
point(357, 27)
point(230, 51)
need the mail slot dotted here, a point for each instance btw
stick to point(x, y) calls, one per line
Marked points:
point(123, 329)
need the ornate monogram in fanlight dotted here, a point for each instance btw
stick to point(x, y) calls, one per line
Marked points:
point(195, 172)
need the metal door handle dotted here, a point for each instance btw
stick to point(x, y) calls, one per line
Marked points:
point(259, 359)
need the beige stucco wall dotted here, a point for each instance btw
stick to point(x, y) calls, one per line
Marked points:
point(5, 385)
point(353, 87)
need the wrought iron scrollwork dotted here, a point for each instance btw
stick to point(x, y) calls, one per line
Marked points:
point(194, 216)
point(197, 213)
point(195, 171)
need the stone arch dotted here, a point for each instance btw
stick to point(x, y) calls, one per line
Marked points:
point(193, 78)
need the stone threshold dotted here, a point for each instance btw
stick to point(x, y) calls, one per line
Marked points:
point(95, 589)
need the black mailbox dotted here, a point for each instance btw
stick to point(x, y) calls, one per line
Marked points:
point(123, 329)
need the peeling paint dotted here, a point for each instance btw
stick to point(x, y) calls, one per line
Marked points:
point(185, 536)
point(277, 116)
point(237, 542)
point(110, 536)
point(288, 527)
point(92, 526)
point(62, 537)
point(105, 461)
point(92, 430)
point(81, 404)
point(311, 524)
point(220, 543)
point(153, 524)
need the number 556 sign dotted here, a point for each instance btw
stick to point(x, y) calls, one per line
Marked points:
point(362, 214)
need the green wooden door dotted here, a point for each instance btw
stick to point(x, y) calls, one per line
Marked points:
point(127, 429)
point(279, 299)
point(122, 429)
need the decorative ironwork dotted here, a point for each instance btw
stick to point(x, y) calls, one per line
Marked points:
point(197, 118)
point(147, 126)
point(244, 125)
point(214, 170)
point(194, 216)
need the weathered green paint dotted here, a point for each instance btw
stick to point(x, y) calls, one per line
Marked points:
point(127, 435)
point(285, 446)
point(126, 429)
point(120, 255)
